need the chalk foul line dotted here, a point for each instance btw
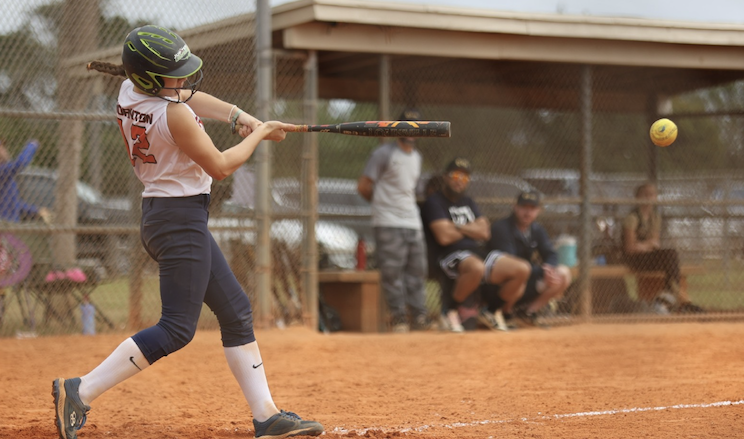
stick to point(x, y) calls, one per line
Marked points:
point(363, 431)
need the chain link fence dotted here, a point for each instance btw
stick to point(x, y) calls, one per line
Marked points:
point(89, 252)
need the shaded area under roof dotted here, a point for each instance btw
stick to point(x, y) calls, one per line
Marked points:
point(491, 58)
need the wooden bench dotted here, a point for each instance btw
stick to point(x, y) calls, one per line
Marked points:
point(648, 283)
point(356, 297)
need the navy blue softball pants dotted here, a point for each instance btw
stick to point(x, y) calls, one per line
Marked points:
point(192, 271)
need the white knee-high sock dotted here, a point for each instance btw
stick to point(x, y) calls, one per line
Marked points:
point(126, 361)
point(247, 366)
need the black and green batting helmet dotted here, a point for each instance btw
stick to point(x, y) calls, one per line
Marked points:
point(151, 53)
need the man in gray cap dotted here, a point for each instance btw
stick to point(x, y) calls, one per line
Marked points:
point(389, 183)
point(521, 236)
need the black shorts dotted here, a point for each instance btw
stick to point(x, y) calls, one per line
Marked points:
point(449, 263)
point(531, 291)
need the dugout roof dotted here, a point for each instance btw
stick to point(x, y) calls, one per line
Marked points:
point(641, 57)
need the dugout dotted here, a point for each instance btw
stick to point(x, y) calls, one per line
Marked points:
point(492, 73)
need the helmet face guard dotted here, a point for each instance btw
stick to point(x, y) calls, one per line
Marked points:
point(192, 83)
point(152, 53)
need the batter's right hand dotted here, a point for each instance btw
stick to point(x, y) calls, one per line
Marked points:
point(276, 131)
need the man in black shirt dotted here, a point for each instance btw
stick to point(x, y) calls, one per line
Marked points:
point(521, 236)
point(457, 231)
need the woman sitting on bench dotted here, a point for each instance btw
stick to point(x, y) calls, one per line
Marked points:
point(642, 252)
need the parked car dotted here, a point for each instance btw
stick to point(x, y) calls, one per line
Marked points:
point(726, 223)
point(37, 186)
point(343, 217)
point(336, 196)
point(554, 183)
point(496, 195)
point(338, 242)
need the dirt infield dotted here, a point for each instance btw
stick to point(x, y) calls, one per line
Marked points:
point(683, 380)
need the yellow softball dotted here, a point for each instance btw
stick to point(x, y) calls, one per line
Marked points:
point(663, 132)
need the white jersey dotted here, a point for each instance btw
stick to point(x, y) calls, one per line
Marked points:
point(158, 162)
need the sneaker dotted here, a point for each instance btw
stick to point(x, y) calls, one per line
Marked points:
point(667, 298)
point(420, 323)
point(690, 308)
point(400, 325)
point(401, 328)
point(452, 319)
point(660, 307)
point(501, 322)
point(493, 321)
point(71, 413)
point(529, 318)
point(443, 323)
point(509, 320)
point(286, 424)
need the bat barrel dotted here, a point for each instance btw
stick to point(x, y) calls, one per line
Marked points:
point(412, 129)
point(379, 128)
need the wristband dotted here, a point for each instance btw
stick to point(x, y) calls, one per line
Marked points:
point(235, 117)
point(229, 115)
point(234, 122)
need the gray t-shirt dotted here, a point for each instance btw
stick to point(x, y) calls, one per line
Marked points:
point(395, 174)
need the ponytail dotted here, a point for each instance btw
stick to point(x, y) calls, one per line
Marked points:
point(108, 68)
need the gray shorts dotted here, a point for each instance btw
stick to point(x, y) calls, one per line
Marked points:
point(450, 262)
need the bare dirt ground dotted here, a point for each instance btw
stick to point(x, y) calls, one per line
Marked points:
point(681, 380)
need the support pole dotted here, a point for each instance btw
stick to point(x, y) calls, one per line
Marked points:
point(384, 108)
point(77, 34)
point(310, 194)
point(585, 243)
point(263, 268)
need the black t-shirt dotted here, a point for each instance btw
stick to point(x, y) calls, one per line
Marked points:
point(461, 212)
point(535, 246)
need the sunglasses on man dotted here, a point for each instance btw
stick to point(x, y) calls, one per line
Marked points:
point(459, 176)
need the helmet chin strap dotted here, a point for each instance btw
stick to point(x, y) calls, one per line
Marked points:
point(176, 101)
point(191, 85)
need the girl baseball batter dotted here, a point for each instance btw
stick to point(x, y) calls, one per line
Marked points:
point(159, 112)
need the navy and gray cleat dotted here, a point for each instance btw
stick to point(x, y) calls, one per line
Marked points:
point(70, 412)
point(286, 424)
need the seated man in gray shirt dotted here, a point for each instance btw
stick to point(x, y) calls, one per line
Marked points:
point(389, 183)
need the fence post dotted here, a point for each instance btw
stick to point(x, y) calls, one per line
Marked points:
point(263, 167)
point(78, 34)
point(585, 260)
point(310, 193)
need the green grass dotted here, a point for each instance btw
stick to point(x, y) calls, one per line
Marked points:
point(720, 288)
point(110, 298)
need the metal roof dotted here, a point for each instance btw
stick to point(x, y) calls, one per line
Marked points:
point(471, 20)
point(495, 58)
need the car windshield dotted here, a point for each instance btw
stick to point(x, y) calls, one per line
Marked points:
point(554, 182)
point(88, 194)
point(38, 188)
point(494, 189)
point(292, 199)
point(346, 199)
point(335, 196)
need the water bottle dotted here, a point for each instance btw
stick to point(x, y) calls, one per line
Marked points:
point(88, 317)
point(566, 250)
point(361, 254)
